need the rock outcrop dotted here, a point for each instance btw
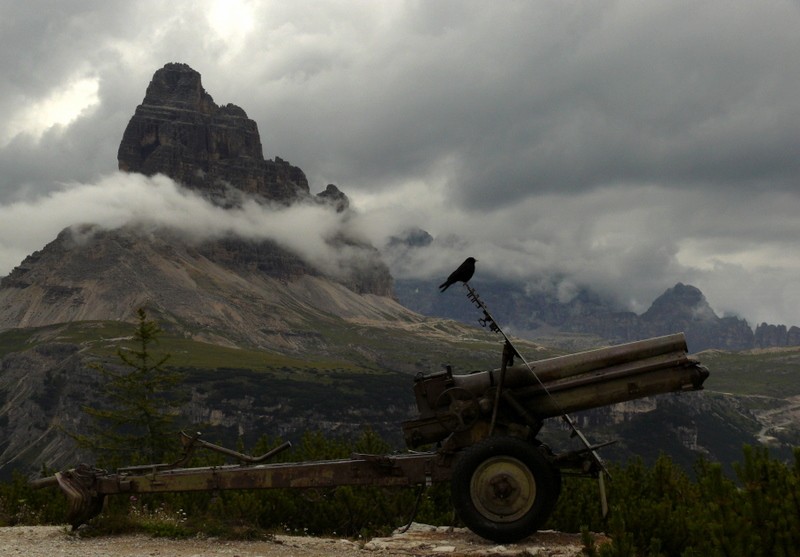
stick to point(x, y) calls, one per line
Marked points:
point(179, 131)
point(38, 390)
point(770, 336)
point(334, 197)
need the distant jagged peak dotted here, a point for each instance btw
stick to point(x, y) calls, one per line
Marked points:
point(683, 299)
point(412, 237)
point(334, 197)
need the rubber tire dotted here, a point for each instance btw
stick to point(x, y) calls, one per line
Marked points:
point(526, 488)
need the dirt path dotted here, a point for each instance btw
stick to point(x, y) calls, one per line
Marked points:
point(421, 540)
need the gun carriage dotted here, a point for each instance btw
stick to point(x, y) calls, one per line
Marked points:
point(482, 426)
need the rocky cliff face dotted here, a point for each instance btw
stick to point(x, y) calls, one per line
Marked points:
point(40, 395)
point(179, 131)
point(243, 292)
point(43, 391)
point(771, 336)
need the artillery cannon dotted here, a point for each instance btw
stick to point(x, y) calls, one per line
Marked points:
point(484, 427)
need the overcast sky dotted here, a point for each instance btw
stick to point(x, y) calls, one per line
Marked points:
point(624, 145)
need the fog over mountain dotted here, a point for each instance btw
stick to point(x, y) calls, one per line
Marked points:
point(152, 202)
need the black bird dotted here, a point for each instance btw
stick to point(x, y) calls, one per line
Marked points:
point(463, 273)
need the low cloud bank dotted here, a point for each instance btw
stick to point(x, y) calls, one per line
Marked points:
point(629, 243)
point(309, 230)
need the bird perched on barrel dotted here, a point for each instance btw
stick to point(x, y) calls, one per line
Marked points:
point(462, 274)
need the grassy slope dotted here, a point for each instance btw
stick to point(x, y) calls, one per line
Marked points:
point(351, 347)
point(357, 349)
point(770, 373)
point(370, 368)
point(359, 374)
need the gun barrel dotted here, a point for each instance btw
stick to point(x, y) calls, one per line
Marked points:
point(590, 361)
point(557, 386)
point(597, 377)
point(611, 386)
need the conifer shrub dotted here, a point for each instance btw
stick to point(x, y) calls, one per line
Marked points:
point(662, 510)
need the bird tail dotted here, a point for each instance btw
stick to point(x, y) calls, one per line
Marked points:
point(444, 286)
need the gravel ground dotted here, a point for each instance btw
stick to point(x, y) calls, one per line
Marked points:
point(421, 540)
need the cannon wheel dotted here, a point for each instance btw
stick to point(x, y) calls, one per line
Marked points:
point(504, 488)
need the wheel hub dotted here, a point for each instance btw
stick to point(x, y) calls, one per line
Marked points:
point(503, 489)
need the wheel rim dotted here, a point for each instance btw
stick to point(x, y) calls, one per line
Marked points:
point(503, 489)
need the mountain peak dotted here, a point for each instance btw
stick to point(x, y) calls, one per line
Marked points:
point(229, 283)
point(180, 131)
point(179, 84)
point(681, 299)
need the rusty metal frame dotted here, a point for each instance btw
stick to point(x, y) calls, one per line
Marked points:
point(380, 470)
point(86, 488)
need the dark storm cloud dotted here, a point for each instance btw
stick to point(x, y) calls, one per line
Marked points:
point(561, 98)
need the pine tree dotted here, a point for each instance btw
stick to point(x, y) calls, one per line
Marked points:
point(140, 402)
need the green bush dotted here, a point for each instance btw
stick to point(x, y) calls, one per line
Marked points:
point(660, 510)
point(21, 504)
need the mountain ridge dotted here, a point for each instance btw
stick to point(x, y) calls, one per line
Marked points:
point(541, 315)
point(89, 273)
